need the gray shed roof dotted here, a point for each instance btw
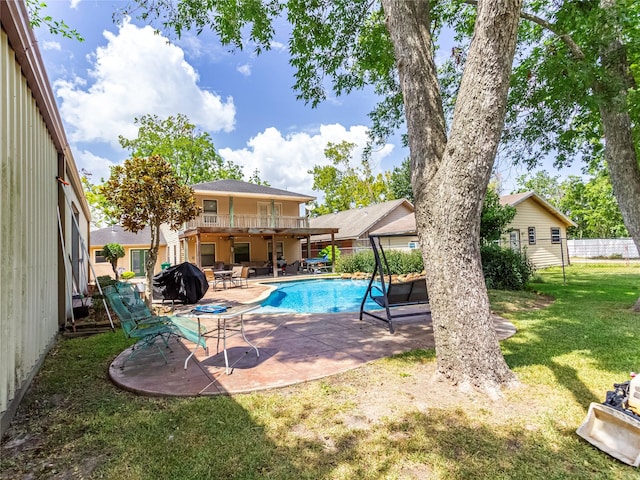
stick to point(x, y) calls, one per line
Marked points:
point(357, 222)
point(237, 186)
point(116, 234)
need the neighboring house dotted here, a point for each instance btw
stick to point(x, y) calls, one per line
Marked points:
point(135, 245)
point(36, 266)
point(243, 223)
point(538, 229)
point(355, 225)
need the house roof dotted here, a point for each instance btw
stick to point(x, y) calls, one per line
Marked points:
point(117, 234)
point(402, 226)
point(407, 224)
point(356, 222)
point(518, 198)
point(247, 189)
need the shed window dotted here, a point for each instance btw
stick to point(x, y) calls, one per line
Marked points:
point(555, 235)
point(532, 235)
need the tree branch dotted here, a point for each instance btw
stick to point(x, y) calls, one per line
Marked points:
point(565, 37)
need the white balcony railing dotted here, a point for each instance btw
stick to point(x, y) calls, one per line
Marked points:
point(246, 221)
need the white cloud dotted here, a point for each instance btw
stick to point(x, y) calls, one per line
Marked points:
point(245, 69)
point(138, 72)
point(51, 45)
point(74, 3)
point(284, 161)
point(279, 46)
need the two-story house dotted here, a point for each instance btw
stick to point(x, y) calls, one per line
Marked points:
point(244, 223)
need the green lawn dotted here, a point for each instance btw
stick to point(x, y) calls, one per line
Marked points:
point(388, 419)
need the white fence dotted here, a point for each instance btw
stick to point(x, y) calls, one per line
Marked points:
point(603, 248)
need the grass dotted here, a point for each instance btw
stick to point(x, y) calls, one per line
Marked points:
point(388, 419)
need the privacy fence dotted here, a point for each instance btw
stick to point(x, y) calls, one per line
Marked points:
point(602, 249)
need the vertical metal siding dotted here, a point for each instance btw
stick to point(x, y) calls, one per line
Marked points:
point(28, 230)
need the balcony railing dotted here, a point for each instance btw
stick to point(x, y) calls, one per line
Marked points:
point(246, 221)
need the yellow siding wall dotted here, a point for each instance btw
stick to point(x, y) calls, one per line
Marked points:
point(543, 253)
point(28, 232)
point(249, 205)
point(125, 262)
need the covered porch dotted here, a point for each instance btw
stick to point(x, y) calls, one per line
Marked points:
point(259, 248)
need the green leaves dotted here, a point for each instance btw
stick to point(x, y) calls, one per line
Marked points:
point(146, 192)
point(56, 27)
point(345, 186)
point(189, 151)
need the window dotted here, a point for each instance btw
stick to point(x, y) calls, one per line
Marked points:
point(207, 254)
point(210, 206)
point(514, 240)
point(413, 245)
point(241, 253)
point(555, 235)
point(138, 262)
point(100, 257)
point(532, 235)
point(279, 250)
point(210, 212)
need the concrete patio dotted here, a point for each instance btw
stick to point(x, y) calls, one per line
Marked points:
point(293, 349)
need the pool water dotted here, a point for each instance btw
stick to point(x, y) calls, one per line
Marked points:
point(317, 296)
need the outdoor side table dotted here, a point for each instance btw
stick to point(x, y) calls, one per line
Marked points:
point(228, 324)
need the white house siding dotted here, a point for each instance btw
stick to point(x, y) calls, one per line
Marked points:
point(543, 253)
point(32, 153)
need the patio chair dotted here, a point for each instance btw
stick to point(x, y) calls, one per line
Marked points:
point(236, 274)
point(293, 268)
point(145, 329)
point(242, 279)
point(131, 297)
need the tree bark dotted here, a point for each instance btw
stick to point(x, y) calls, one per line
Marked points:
point(450, 178)
point(152, 258)
point(620, 152)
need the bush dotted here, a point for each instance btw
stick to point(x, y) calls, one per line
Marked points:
point(105, 280)
point(127, 275)
point(505, 269)
point(400, 263)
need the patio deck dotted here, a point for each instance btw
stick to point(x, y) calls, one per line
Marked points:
point(293, 349)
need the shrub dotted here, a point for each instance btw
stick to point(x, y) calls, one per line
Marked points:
point(105, 280)
point(400, 263)
point(127, 275)
point(505, 269)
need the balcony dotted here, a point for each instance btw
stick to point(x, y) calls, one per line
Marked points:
point(245, 221)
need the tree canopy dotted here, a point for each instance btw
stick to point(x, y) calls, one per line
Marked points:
point(191, 152)
point(343, 185)
point(146, 192)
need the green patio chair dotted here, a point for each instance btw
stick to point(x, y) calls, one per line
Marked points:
point(146, 329)
point(131, 298)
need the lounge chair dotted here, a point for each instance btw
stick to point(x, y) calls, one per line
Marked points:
point(390, 295)
point(145, 329)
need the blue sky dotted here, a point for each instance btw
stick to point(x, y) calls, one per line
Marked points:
point(245, 102)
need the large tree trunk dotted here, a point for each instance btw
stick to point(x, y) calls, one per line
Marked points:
point(620, 152)
point(450, 178)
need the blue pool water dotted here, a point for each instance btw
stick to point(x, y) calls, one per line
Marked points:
point(317, 296)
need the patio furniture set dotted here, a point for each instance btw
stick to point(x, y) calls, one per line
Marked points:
point(150, 330)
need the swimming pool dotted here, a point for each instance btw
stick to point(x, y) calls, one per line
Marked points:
point(317, 296)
